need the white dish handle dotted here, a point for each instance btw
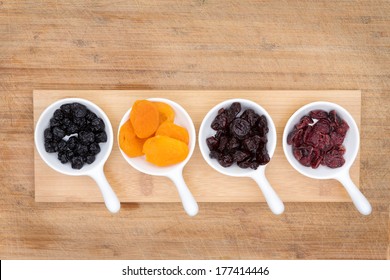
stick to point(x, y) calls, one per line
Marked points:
point(110, 198)
point(274, 202)
point(187, 199)
point(359, 200)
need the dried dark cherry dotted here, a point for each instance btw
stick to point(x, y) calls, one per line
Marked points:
point(241, 139)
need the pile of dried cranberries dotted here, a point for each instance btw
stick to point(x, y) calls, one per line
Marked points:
point(240, 139)
point(320, 142)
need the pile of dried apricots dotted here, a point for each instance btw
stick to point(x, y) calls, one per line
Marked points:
point(151, 131)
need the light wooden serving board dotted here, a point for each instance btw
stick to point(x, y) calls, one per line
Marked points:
point(206, 184)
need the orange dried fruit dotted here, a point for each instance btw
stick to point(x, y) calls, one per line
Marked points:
point(130, 144)
point(174, 131)
point(163, 150)
point(167, 114)
point(145, 118)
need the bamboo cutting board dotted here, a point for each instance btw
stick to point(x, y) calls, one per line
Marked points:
point(206, 184)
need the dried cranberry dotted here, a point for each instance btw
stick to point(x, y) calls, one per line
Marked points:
point(318, 114)
point(320, 142)
point(305, 121)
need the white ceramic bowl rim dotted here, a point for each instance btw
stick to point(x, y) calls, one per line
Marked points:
point(51, 158)
point(183, 119)
point(351, 141)
point(206, 131)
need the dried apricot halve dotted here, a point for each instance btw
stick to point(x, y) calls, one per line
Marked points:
point(167, 114)
point(174, 131)
point(163, 150)
point(130, 144)
point(145, 118)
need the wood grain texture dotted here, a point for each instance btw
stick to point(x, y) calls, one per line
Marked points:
point(192, 45)
point(206, 184)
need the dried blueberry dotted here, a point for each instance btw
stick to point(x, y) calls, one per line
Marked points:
point(79, 122)
point(97, 125)
point(94, 149)
point(72, 143)
point(101, 137)
point(58, 132)
point(79, 110)
point(90, 115)
point(50, 147)
point(77, 162)
point(90, 159)
point(81, 150)
point(66, 109)
point(62, 145)
point(62, 157)
point(86, 137)
point(54, 122)
point(48, 135)
point(72, 128)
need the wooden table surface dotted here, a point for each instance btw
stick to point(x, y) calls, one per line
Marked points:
point(168, 45)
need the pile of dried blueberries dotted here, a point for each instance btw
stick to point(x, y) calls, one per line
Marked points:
point(320, 142)
point(75, 133)
point(241, 139)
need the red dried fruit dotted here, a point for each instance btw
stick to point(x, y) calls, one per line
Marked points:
point(321, 142)
point(318, 114)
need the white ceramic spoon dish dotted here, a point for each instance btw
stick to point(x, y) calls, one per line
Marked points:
point(274, 202)
point(94, 170)
point(351, 143)
point(174, 172)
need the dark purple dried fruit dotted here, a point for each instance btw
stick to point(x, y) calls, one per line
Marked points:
point(48, 135)
point(233, 144)
point(250, 116)
point(321, 142)
point(212, 143)
point(90, 159)
point(58, 114)
point(240, 156)
point(50, 147)
point(86, 137)
point(240, 128)
point(101, 137)
point(226, 160)
point(62, 157)
point(79, 110)
point(239, 139)
point(94, 149)
point(220, 122)
point(77, 162)
point(87, 132)
point(97, 125)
